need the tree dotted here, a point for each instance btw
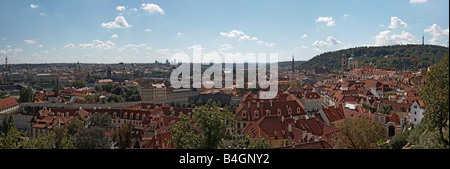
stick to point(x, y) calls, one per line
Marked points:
point(92, 138)
point(384, 108)
point(199, 102)
point(101, 120)
point(245, 142)
point(26, 95)
point(62, 138)
point(399, 140)
point(204, 129)
point(7, 124)
point(79, 83)
point(123, 136)
point(11, 140)
point(435, 94)
point(75, 126)
point(362, 133)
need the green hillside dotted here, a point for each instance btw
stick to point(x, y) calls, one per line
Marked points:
point(398, 57)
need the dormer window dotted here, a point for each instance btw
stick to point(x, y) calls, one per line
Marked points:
point(137, 116)
point(244, 114)
point(298, 110)
point(131, 116)
point(290, 111)
point(125, 115)
point(267, 112)
point(114, 114)
point(279, 112)
point(256, 114)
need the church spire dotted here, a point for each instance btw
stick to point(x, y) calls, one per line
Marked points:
point(293, 64)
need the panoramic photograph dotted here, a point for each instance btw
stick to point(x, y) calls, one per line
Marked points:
point(229, 75)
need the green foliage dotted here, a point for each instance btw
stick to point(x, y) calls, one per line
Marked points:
point(101, 120)
point(399, 140)
point(360, 133)
point(205, 129)
point(7, 124)
point(26, 95)
point(123, 136)
point(245, 142)
point(92, 138)
point(435, 94)
point(400, 57)
point(12, 139)
point(384, 108)
point(79, 83)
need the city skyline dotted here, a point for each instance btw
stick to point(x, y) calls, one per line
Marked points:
point(144, 31)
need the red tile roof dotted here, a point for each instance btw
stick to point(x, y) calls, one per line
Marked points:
point(8, 102)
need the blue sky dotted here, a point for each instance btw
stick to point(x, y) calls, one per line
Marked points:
point(112, 31)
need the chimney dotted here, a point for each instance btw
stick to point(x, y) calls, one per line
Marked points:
point(289, 127)
point(257, 104)
point(59, 122)
point(282, 119)
point(271, 103)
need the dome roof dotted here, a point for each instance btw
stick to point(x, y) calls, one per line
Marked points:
point(352, 59)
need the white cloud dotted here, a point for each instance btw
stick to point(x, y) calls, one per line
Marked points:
point(437, 34)
point(232, 34)
point(270, 44)
point(120, 8)
point(162, 50)
point(387, 38)
point(43, 14)
point(397, 23)
point(119, 22)
point(152, 8)
point(34, 6)
point(260, 42)
point(18, 50)
point(417, 1)
point(302, 47)
point(2, 52)
point(304, 36)
point(121, 49)
point(85, 45)
point(148, 30)
point(246, 37)
point(41, 46)
point(133, 45)
point(115, 36)
point(70, 45)
point(331, 41)
point(346, 15)
point(328, 20)
point(35, 54)
point(105, 46)
point(30, 41)
point(96, 44)
point(179, 33)
point(225, 47)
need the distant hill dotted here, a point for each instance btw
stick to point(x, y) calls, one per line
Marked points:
point(289, 63)
point(397, 57)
